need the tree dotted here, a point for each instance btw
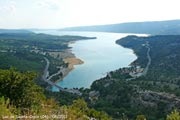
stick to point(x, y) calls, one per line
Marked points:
point(140, 117)
point(173, 116)
point(20, 88)
point(80, 110)
point(5, 108)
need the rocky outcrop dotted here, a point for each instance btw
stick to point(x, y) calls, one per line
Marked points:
point(151, 99)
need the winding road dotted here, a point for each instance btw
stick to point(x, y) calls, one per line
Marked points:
point(148, 57)
point(46, 72)
point(47, 79)
point(148, 63)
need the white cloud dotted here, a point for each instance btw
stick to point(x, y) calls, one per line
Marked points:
point(64, 13)
point(8, 7)
point(49, 4)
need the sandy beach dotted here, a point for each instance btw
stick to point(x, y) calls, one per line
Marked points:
point(73, 61)
point(68, 57)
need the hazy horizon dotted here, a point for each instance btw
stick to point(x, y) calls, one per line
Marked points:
point(54, 14)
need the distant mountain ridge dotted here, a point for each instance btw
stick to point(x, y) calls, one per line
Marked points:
point(14, 31)
point(169, 27)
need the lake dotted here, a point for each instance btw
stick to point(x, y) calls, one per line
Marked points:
point(100, 56)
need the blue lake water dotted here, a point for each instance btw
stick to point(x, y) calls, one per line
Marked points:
point(100, 56)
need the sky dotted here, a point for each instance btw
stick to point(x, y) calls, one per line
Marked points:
point(20, 14)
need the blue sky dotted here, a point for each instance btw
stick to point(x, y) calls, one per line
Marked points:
point(67, 13)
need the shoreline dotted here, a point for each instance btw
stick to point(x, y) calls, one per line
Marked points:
point(68, 57)
point(72, 61)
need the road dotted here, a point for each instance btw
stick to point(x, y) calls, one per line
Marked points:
point(47, 79)
point(46, 72)
point(148, 57)
point(148, 63)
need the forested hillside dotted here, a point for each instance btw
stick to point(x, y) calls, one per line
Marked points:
point(21, 66)
point(21, 98)
point(26, 51)
point(128, 92)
